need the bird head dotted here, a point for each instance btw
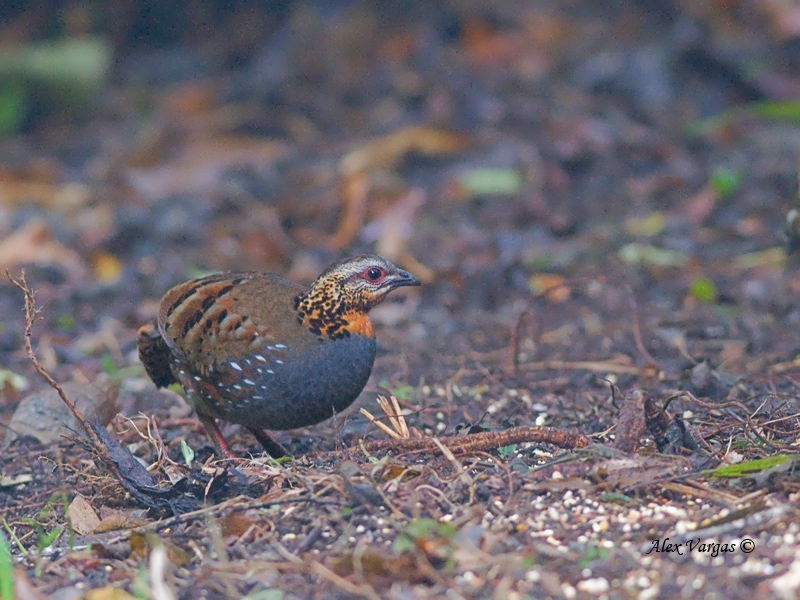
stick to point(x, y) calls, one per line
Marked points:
point(340, 298)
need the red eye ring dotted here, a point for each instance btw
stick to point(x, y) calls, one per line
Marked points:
point(374, 274)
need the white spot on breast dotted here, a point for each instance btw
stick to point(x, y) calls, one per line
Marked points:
point(278, 361)
point(196, 378)
point(237, 387)
point(249, 382)
point(261, 358)
point(270, 371)
point(235, 365)
point(280, 346)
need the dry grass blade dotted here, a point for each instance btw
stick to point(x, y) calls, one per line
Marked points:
point(448, 454)
point(387, 430)
point(400, 418)
point(158, 568)
point(399, 429)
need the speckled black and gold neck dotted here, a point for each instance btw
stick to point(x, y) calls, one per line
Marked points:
point(337, 303)
point(328, 311)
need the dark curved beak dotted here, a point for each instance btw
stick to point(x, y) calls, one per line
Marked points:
point(401, 278)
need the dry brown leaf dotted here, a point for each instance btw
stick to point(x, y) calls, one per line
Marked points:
point(387, 151)
point(35, 244)
point(114, 522)
point(202, 164)
point(375, 562)
point(553, 286)
point(392, 230)
point(381, 155)
point(784, 16)
point(356, 190)
point(82, 516)
point(108, 592)
point(486, 45)
point(637, 471)
point(23, 589)
point(697, 208)
point(236, 524)
point(107, 267)
point(62, 197)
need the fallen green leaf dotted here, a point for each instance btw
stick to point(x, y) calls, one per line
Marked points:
point(771, 257)
point(265, 595)
point(108, 365)
point(13, 106)
point(423, 528)
point(648, 226)
point(644, 254)
point(784, 110)
point(748, 468)
point(187, 452)
point(79, 62)
point(703, 289)
point(488, 181)
point(66, 321)
point(506, 451)
point(725, 182)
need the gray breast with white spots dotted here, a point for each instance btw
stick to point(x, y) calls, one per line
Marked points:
point(275, 388)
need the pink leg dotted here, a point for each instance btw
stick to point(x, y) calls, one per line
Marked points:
point(220, 445)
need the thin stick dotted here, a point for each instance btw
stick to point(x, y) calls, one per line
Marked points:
point(637, 330)
point(485, 440)
point(323, 572)
point(602, 366)
point(31, 316)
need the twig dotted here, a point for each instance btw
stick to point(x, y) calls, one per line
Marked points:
point(323, 572)
point(529, 310)
point(229, 506)
point(708, 405)
point(31, 316)
point(503, 467)
point(484, 441)
point(602, 366)
point(637, 330)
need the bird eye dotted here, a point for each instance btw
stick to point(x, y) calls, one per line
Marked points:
point(374, 273)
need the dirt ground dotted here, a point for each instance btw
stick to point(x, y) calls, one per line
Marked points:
point(600, 373)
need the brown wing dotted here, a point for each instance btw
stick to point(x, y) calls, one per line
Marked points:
point(230, 333)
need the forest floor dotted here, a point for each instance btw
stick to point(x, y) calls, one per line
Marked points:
point(599, 375)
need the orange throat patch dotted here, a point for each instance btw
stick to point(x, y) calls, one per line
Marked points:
point(359, 322)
